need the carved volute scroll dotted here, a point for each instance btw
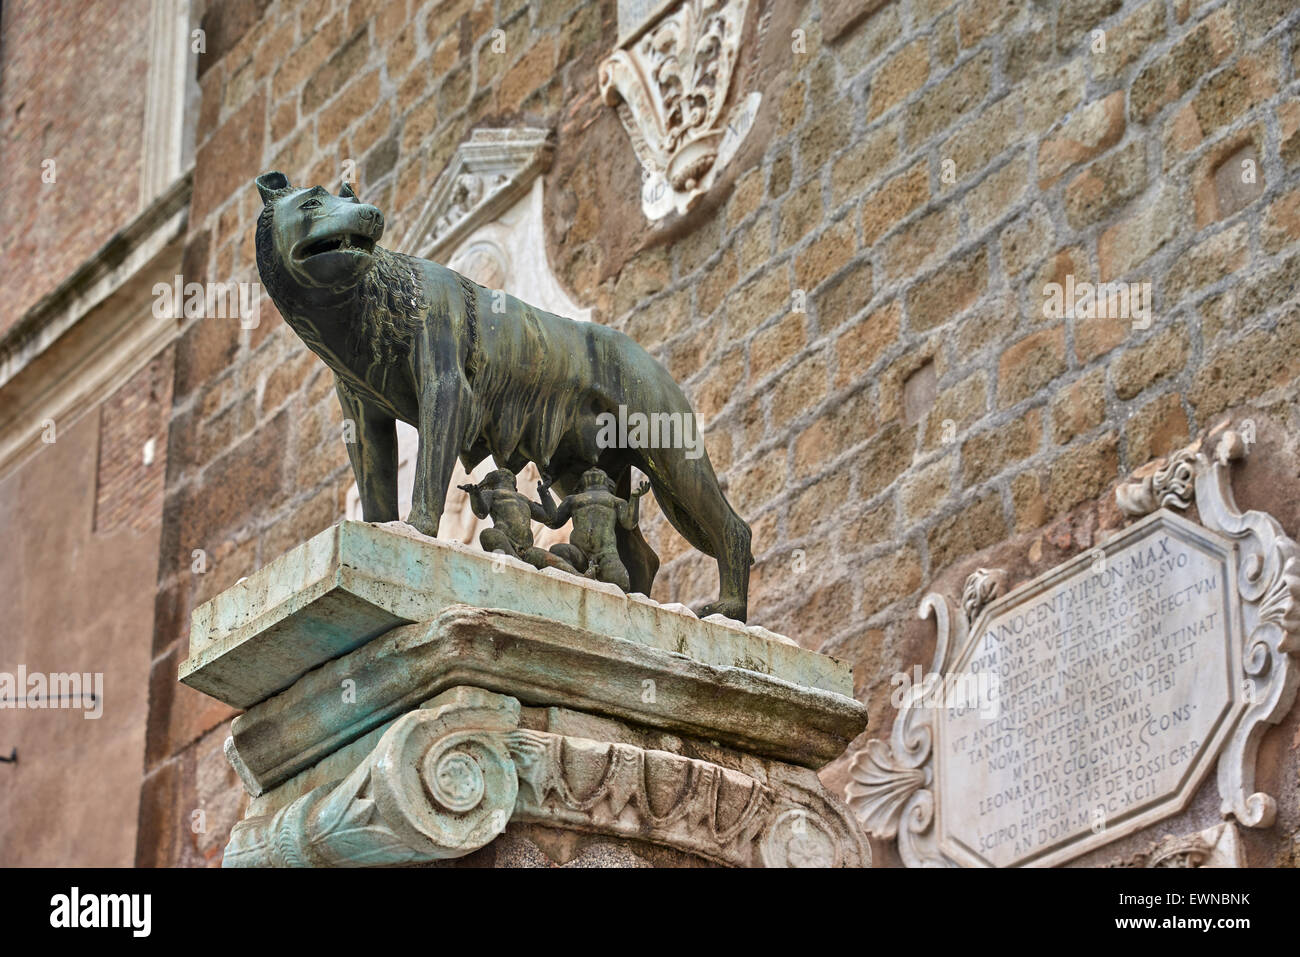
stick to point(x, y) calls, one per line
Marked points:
point(439, 784)
point(445, 780)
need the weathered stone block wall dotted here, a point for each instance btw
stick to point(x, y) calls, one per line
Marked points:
point(856, 308)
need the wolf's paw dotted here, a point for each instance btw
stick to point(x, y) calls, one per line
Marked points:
point(423, 524)
point(728, 608)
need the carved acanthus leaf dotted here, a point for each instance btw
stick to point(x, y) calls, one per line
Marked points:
point(1170, 483)
point(881, 787)
point(889, 791)
point(1280, 603)
point(673, 85)
point(1268, 569)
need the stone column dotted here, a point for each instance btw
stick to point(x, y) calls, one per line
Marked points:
point(412, 701)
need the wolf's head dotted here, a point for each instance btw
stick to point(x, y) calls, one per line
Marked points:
point(318, 239)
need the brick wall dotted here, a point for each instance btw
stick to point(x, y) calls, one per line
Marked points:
point(132, 464)
point(918, 171)
point(74, 93)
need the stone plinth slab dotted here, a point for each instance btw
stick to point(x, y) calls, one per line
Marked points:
point(355, 581)
point(541, 662)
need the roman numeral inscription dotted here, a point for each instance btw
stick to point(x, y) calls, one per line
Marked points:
point(1102, 687)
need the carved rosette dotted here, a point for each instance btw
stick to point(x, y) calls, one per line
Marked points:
point(891, 788)
point(672, 84)
point(446, 779)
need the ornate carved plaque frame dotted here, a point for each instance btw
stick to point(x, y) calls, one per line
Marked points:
point(897, 788)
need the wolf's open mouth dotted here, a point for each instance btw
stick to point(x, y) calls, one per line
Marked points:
point(346, 241)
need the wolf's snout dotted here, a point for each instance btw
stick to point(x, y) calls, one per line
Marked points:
point(372, 219)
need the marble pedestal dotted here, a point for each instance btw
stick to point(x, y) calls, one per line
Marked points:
point(410, 701)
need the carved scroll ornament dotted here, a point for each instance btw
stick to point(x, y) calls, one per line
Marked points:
point(446, 779)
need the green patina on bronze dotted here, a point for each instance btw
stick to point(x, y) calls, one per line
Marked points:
point(478, 373)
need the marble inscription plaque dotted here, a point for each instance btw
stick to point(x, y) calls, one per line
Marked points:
point(1105, 688)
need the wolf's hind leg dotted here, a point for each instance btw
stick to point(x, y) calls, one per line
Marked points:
point(692, 500)
point(734, 559)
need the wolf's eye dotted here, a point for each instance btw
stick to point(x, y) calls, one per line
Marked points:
point(311, 204)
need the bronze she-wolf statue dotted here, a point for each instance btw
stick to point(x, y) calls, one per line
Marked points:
point(479, 373)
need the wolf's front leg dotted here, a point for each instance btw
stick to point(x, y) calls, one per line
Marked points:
point(372, 449)
point(440, 430)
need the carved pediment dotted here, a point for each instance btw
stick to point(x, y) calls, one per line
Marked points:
point(488, 174)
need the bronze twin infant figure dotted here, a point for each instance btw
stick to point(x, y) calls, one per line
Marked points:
point(597, 513)
point(480, 373)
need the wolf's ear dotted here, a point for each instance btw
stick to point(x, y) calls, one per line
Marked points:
point(272, 185)
point(346, 192)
